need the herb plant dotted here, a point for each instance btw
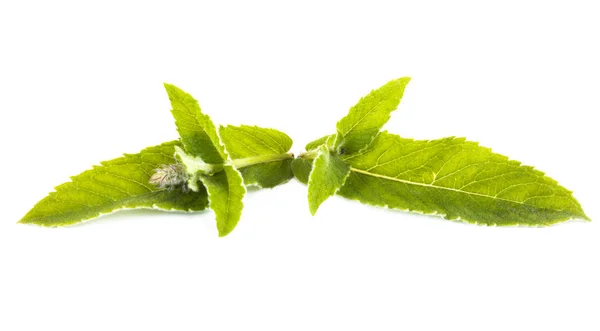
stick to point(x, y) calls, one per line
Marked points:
point(451, 177)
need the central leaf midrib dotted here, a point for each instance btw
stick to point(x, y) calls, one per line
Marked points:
point(439, 187)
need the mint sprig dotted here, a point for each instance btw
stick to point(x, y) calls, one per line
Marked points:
point(204, 168)
point(209, 167)
point(449, 177)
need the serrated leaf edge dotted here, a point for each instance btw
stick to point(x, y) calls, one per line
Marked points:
point(86, 220)
point(210, 205)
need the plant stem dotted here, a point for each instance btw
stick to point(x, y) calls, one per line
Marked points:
point(310, 155)
point(250, 161)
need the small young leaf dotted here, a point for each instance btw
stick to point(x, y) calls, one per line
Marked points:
point(226, 192)
point(327, 176)
point(357, 129)
point(317, 143)
point(456, 179)
point(197, 131)
point(121, 183)
point(261, 155)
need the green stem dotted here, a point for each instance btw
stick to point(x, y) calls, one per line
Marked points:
point(250, 161)
point(195, 165)
point(310, 155)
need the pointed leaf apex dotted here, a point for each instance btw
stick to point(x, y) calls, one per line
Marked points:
point(363, 122)
point(224, 232)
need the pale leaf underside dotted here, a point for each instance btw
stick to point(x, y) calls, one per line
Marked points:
point(117, 184)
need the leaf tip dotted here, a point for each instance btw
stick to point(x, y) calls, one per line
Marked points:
point(224, 231)
point(26, 219)
point(313, 207)
point(172, 89)
point(580, 214)
point(400, 83)
point(30, 221)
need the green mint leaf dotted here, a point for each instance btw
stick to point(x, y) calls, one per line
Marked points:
point(458, 180)
point(327, 176)
point(197, 131)
point(367, 117)
point(226, 192)
point(260, 154)
point(121, 183)
point(317, 143)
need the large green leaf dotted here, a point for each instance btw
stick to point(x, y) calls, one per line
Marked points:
point(197, 131)
point(226, 192)
point(121, 183)
point(327, 176)
point(456, 179)
point(261, 155)
point(357, 129)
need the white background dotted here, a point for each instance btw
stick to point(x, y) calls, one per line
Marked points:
point(81, 83)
